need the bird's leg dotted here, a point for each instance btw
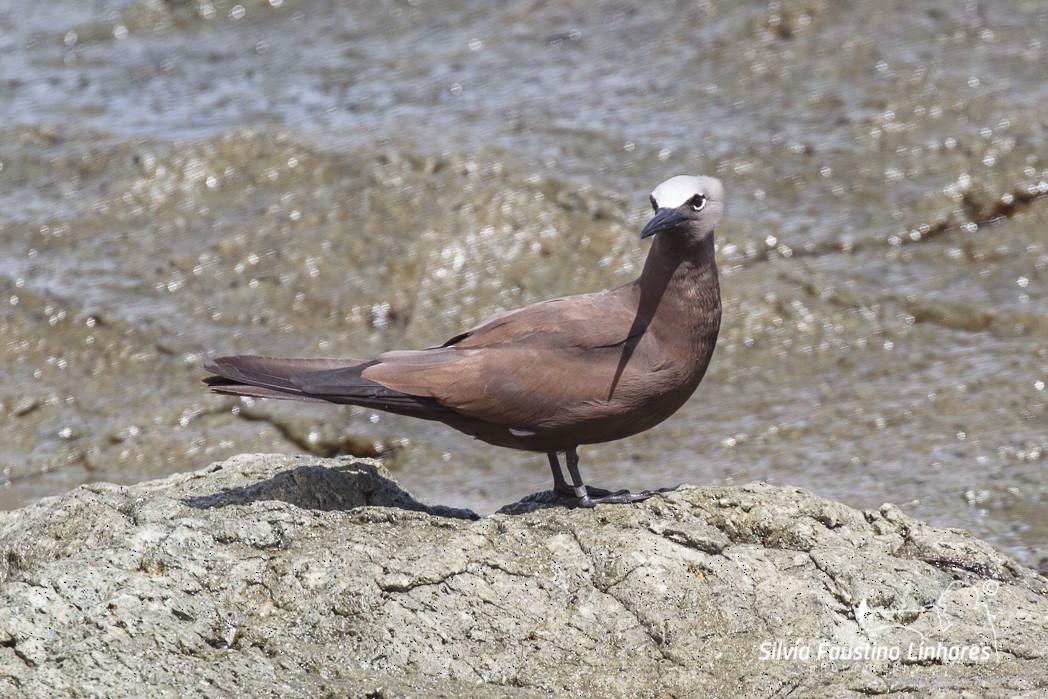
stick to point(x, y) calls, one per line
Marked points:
point(560, 486)
point(620, 498)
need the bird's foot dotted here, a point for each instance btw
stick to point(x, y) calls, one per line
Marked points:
point(594, 495)
point(563, 490)
point(622, 497)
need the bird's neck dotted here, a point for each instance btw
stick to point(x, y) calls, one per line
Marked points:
point(686, 267)
point(679, 289)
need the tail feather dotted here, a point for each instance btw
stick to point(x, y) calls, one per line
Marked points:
point(217, 384)
point(295, 379)
point(274, 373)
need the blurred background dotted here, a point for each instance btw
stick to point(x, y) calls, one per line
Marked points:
point(183, 179)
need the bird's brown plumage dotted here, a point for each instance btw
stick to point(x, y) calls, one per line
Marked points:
point(549, 376)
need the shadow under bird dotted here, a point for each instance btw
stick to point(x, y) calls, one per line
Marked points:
point(553, 375)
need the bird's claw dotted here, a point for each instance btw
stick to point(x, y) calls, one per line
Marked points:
point(622, 497)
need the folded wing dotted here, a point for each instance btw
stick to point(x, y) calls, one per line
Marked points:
point(526, 368)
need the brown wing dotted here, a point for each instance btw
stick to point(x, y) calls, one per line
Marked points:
point(527, 368)
point(589, 320)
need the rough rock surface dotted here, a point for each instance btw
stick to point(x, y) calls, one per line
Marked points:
point(291, 576)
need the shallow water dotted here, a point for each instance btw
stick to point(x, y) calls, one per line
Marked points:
point(315, 178)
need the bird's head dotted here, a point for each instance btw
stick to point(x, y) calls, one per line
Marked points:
point(686, 205)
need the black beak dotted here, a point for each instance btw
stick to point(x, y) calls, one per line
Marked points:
point(663, 219)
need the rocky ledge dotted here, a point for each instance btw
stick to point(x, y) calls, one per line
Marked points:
point(286, 576)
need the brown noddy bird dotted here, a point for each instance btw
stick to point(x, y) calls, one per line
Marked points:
point(553, 375)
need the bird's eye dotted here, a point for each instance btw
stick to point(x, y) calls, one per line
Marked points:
point(654, 205)
point(697, 202)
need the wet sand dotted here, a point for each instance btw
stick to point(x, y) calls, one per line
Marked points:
point(309, 178)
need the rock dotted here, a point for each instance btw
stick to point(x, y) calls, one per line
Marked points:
point(300, 577)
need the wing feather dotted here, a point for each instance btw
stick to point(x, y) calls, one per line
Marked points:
point(499, 371)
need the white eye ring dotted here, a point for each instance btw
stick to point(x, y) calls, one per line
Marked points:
point(697, 202)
